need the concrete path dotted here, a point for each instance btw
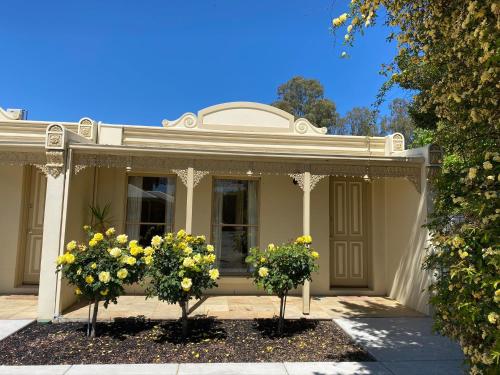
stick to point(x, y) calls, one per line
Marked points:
point(8, 327)
point(287, 368)
point(405, 346)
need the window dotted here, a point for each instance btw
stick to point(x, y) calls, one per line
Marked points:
point(234, 223)
point(150, 207)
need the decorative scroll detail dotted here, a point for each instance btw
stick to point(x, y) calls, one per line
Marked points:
point(22, 158)
point(303, 126)
point(187, 120)
point(55, 163)
point(183, 175)
point(299, 178)
point(87, 128)
point(55, 137)
point(239, 167)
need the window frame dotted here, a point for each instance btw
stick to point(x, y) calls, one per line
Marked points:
point(256, 226)
point(149, 174)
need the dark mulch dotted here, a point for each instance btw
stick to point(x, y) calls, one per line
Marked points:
point(145, 341)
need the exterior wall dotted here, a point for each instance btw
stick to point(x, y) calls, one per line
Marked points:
point(80, 197)
point(406, 242)
point(11, 198)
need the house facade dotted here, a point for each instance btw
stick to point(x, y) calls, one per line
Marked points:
point(243, 174)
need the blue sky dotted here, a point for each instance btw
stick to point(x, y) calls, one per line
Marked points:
point(138, 62)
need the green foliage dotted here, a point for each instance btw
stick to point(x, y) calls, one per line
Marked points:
point(279, 269)
point(100, 218)
point(448, 56)
point(101, 267)
point(399, 120)
point(422, 137)
point(359, 121)
point(465, 257)
point(305, 98)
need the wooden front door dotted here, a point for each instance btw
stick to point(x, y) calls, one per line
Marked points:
point(35, 199)
point(349, 232)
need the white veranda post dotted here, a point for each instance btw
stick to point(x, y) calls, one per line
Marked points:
point(306, 229)
point(189, 200)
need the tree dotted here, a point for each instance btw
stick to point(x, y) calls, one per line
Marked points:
point(399, 120)
point(305, 98)
point(279, 269)
point(359, 121)
point(182, 267)
point(447, 53)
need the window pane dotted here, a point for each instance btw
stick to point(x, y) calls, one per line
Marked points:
point(150, 201)
point(235, 203)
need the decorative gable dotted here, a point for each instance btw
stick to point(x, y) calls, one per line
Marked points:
point(245, 117)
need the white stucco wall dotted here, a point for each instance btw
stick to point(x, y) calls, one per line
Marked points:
point(11, 183)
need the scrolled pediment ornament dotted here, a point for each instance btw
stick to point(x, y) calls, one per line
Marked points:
point(186, 121)
point(303, 126)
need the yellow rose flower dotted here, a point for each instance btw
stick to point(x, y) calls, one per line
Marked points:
point(148, 251)
point(78, 291)
point(130, 261)
point(156, 241)
point(186, 284)
point(262, 259)
point(110, 232)
point(210, 248)
point(136, 250)
point(104, 292)
point(188, 262)
point(210, 258)
point(315, 254)
point(148, 259)
point(71, 246)
point(457, 241)
point(263, 271)
point(61, 259)
point(122, 273)
point(132, 243)
point(271, 247)
point(93, 266)
point(188, 250)
point(69, 258)
point(98, 237)
point(214, 274)
point(89, 279)
point(122, 239)
point(115, 252)
point(92, 242)
point(472, 173)
point(86, 227)
point(104, 277)
point(197, 258)
point(181, 234)
point(487, 165)
point(201, 238)
point(492, 317)
point(463, 254)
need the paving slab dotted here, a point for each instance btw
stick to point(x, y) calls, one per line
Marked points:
point(425, 367)
point(335, 368)
point(34, 370)
point(9, 327)
point(125, 369)
point(401, 339)
point(276, 368)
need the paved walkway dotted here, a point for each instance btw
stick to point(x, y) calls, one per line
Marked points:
point(18, 306)
point(8, 327)
point(405, 346)
point(248, 307)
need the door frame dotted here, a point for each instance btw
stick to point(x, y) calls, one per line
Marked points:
point(369, 239)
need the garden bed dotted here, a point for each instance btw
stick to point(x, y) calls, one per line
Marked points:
point(145, 341)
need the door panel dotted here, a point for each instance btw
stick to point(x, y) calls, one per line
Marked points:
point(349, 245)
point(37, 184)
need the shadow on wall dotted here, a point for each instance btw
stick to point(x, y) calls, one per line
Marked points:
point(410, 282)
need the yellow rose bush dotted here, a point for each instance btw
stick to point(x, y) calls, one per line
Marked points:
point(279, 269)
point(100, 267)
point(181, 266)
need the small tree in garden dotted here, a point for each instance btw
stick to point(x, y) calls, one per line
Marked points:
point(99, 268)
point(279, 269)
point(182, 267)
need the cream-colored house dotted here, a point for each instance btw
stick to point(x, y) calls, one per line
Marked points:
point(244, 174)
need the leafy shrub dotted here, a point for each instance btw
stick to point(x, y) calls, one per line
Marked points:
point(101, 267)
point(465, 258)
point(182, 267)
point(279, 269)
